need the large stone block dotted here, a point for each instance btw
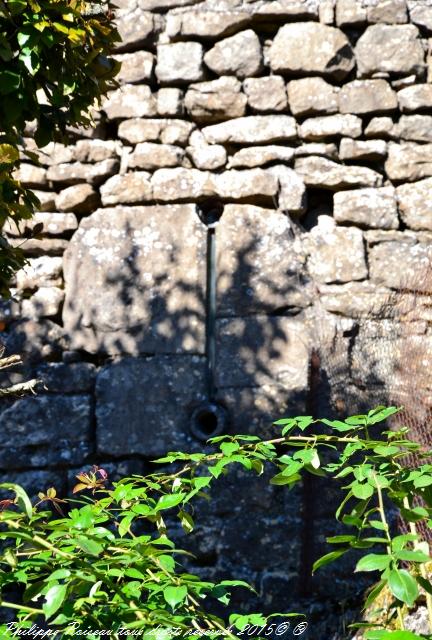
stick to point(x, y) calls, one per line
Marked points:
point(128, 188)
point(373, 208)
point(260, 266)
point(259, 156)
point(180, 62)
point(203, 155)
point(54, 224)
point(418, 96)
point(356, 299)
point(55, 427)
point(216, 100)
point(325, 126)
point(58, 377)
point(148, 155)
point(130, 101)
point(421, 14)
point(362, 149)
point(134, 279)
point(242, 185)
point(170, 101)
point(252, 129)
point(389, 48)
point(79, 198)
point(415, 205)
point(367, 96)
point(416, 128)
point(207, 23)
point(267, 94)
point(349, 13)
point(312, 96)
point(310, 47)
point(239, 55)
point(260, 350)
point(395, 264)
point(79, 172)
point(135, 67)
point(40, 272)
point(388, 11)
point(44, 303)
point(320, 172)
point(292, 191)
point(135, 29)
point(336, 254)
point(156, 417)
point(409, 161)
point(167, 131)
point(177, 185)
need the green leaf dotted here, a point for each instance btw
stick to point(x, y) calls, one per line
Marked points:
point(8, 154)
point(337, 425)
point(403, 586)
point(89, 546)
point(381, 413)
point(54, 598)
point(423, 481)
point(412, 556)
point(382, 634)
point(373, 562)
point(427, 586)
point(374, 593)
point(228, 448)
point(9, 82)
point(362, 491)
point(168, 501)
point(281, 479)
point(386, 450)
point(329, 557)
point(175, 595)
point(377, 524)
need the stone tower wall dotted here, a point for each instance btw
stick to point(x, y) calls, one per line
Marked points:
point(311, 123)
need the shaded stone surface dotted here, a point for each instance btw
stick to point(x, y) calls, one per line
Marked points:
point(260, 266)
point(40, 272)
point(320, 172)
point(312, 48)
point(395, 263)
point(78, 198)
point(80, 172)
point(389, 48)
point(373, 208)
point(169, 388)
point(118, 261)
point(215, 100)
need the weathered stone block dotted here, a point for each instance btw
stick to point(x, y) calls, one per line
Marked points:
point(367, 96)
point(252, 129)
point(311, 47)
point(417, 128)
point(260, 350)
point(46, 199)
point(79, 198)
point(309, 96)
point(36, 341)
point(415, 204)
point(349, 12)
point(44, 421)
point(135, 67)
point(30, 175)
point(207, 23)
point(355, 299)
point(325, 126)
point(203, 155)
point(215, 100)
point(80, 172)
point(320, 172)
point(54, 224)
point(266, 94)
point(388, 11)
point(176, 185)
point(390, 48)
point(381, 127)
point(420, 14)
point(240, 185)
point(58, 377)
point(158, 417)
point(148, 155)
point(373, 208)
point(128, 188)
point(362, 149)
point(167, 131)
point(44, 303)
point(135, 29)
point(95, 150)
point(292, 191)
point(40, 247)
point(40, 272)
point(260, 266)
point(238, 55)
point(170, 101)
point(180, 62)
point(416, 97)
point(130, 101)
point(336, 254)
point(117, 289)
point(395, 263)
point(317, 149)
point(409, 161)
point(259, 156)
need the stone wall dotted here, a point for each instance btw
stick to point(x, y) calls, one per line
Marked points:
point(311, 123)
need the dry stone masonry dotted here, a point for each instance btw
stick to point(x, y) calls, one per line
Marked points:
point(309, 122)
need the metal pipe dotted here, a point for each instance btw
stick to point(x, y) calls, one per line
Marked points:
point(210, 341)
